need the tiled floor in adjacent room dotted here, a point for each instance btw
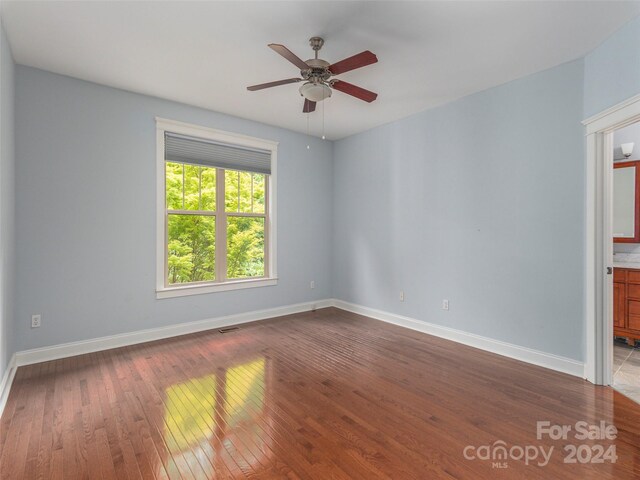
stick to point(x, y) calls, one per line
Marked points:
point(626, 370)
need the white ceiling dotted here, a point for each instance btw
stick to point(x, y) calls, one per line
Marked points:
point(206, 53)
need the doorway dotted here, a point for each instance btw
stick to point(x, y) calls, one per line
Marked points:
point(599, 270)
point(626, 261)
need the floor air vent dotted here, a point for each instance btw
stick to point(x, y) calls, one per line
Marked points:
point(228, 329)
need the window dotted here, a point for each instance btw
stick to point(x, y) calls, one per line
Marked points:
point(216, 214)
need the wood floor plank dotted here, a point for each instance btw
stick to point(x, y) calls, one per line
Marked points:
point(318, 395)
point(270, 441)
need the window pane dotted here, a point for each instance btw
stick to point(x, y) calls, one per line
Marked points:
point(191, 248)
point(245, 247)
point(190, 187)
point(258, 193)
point(232, 182)
point(244, 192)
point(208, 189)
point(173, 175)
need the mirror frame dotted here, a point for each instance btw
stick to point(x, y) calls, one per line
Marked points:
point(636, 234)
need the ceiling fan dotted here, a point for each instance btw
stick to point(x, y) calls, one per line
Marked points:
point(317, 73)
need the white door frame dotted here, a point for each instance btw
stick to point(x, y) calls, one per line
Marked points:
point(598, 305)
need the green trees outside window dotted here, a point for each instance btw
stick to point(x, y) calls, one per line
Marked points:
point(198, 214)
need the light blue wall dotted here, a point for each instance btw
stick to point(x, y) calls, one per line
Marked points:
point(480, 202)
point(86, 212)
point(7, 204)
point(612, 71)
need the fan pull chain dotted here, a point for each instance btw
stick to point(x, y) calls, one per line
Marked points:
point(323, 137)
point(308, 147)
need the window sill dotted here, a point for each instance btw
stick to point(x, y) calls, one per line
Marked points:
point(184, 291)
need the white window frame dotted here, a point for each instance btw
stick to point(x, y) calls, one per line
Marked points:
point(270, 278)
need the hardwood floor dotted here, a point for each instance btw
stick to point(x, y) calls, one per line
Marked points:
point(319, 395)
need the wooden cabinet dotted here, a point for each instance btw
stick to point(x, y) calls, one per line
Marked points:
point(618, 304)
point(626, 304)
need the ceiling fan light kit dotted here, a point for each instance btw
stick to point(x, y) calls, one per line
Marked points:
point(315, 92)
point(317, 73)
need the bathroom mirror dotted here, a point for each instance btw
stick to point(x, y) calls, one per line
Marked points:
point(626, 201)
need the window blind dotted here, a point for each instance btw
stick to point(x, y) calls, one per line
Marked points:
point(199, 151)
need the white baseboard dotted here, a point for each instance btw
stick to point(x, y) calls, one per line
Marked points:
point(536, 357)
point(529, 355)
point(7, 380)
point(44, 354)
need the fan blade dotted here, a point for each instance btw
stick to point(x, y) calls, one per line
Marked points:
point(273, 84)
point(289, 55)
point(360, 60)
point(354, 90)
point(309, 106)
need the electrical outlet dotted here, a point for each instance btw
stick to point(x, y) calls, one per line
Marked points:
point(312, 284)
point(401, 296)
point(36, 321)
point(445, 304)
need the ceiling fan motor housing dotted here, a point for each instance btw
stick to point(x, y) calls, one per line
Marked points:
point(318, 70)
